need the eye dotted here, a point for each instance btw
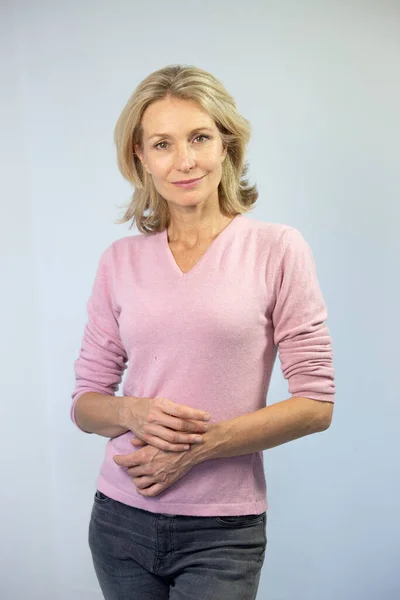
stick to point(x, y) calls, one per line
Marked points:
point(206, 137)
point(164, 145)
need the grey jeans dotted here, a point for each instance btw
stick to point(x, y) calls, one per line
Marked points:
point(138, 555)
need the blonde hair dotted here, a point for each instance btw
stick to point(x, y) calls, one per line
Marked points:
point(147, 208)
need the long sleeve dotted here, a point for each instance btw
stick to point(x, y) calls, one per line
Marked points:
point(207, 339)
point(102, 357)
point(299, 315)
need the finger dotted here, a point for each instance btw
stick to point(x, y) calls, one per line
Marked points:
point(197, 426)
point(143, 482)
point(138, 471)
point(137, 442)
point(125, 460)
point(182, 411)
point(182, 424)
point(174, 437)
point(161, 444)
point(151, 491)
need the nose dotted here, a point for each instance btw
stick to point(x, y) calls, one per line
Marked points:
point(184, 158)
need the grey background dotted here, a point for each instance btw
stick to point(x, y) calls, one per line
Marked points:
point(320, 83)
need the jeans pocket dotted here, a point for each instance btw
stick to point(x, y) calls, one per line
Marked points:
point(101, 498)
point(240, 520)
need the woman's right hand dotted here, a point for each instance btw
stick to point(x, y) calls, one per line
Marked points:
point(165, 424)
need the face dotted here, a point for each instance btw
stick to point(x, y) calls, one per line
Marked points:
point(180, 143)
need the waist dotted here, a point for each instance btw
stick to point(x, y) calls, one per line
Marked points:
point(223, 486)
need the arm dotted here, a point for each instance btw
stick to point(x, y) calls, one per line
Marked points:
point(264, 429)
point(305, 351)
point(101, 414)
point(101, 362)
point(154, 470)
point(156, 421)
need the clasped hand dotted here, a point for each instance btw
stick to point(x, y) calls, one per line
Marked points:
point(153, 470)
point(164, 430)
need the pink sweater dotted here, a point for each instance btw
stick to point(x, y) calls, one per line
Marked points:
point(208, 339)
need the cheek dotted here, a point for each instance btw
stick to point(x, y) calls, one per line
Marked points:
point(159, 165)
point(216, 164)
point(211, 160)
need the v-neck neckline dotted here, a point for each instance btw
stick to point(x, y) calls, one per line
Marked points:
point(171, 259)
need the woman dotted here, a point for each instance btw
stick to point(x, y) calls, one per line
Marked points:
point(196, 307)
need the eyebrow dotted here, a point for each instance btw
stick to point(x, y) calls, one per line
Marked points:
point(167, 135)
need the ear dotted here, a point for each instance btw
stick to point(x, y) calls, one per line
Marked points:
point(138, 153)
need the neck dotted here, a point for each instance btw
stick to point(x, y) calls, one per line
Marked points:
point(191, 230)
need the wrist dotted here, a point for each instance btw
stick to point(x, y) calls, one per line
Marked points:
point(208, 448)
point(124, 411)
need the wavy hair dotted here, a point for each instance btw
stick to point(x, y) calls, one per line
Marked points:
point(147, 208)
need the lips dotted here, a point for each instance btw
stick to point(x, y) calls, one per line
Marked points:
point(188, 180)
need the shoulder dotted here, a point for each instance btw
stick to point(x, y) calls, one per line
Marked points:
point(277, 237)
point(125, 246)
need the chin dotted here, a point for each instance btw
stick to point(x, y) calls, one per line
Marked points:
point(186, 197)
point(189, 201)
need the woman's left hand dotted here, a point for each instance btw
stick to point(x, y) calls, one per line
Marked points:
point(154, 470)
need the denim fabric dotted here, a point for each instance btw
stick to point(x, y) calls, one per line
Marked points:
point(138, 555)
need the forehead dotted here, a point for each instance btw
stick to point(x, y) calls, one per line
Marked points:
point(171, 115)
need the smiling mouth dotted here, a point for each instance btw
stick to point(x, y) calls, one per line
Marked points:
point(186, 181)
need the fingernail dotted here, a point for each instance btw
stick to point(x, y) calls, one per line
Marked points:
point(186, 447)
point(198, 440)
point(206, 417)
